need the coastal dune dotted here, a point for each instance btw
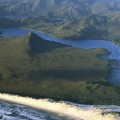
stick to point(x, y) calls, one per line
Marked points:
point(70, 111)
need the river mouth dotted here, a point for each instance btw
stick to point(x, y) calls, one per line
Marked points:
point(113, 57)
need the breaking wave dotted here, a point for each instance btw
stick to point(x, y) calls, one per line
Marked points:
point(66, 110)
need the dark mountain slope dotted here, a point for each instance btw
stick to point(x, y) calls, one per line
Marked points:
point(38, 45)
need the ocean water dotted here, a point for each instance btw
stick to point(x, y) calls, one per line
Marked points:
point(46, 109)
point(10, 111)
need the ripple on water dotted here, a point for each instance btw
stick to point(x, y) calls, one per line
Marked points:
point(9, 111)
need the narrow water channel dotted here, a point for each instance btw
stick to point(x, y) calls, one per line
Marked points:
point(113, 77)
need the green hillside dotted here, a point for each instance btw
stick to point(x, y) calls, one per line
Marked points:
point(34, 67)
point(80, 19)
point(82, 28)
point(60, 8)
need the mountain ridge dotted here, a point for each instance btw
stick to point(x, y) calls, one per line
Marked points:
point(59, 8)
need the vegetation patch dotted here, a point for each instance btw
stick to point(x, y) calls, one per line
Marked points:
point(34, 67)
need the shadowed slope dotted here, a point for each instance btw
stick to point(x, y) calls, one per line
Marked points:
point(38, 45)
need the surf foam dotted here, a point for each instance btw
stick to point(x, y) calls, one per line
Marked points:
point(65, 109)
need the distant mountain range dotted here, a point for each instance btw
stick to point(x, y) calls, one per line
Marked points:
point(83, 19)
point(59, 8)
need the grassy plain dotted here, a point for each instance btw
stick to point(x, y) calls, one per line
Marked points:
point(34, 67)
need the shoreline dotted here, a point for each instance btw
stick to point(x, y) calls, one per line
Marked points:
point(63, 109)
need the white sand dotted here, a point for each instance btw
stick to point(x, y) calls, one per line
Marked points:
point(63, 109)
